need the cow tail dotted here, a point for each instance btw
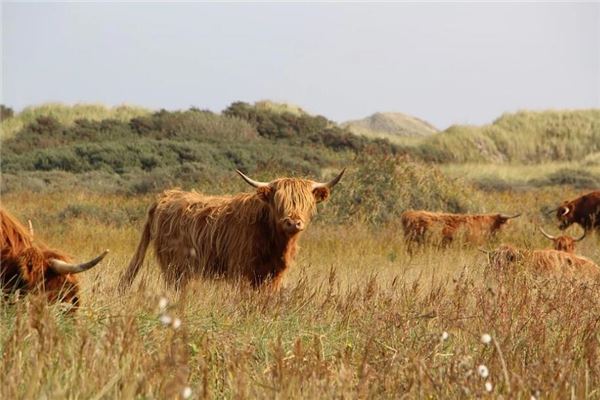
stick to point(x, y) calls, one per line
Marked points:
point(138, 258)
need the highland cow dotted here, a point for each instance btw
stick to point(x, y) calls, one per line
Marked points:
point(419, 226)
point(545, 262)
point(584, 211)
point(248, 236)
point(563, 243)
point(29, 266)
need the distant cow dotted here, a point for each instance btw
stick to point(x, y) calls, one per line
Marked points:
point(563, 243)
point(584, 210)
point(419, 226)
point(548, 262)
point(31, 267)
point(252, 236)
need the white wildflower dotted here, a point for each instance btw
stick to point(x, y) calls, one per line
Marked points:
point(489, 386)
point(176, 323)
point(163, 303)
point(486, 338)
point(445, 336)
point(483, 371)
point(186, 393)
point(165, 319)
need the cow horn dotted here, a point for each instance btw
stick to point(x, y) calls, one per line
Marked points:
point(546, 234)
point(552, 211)
point(566, 211)
point(581, 238)
point(510, 216)
point(61, 267)
point(250, 181)
point(331, 183)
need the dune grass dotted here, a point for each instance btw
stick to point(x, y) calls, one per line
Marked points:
point(360, 318)
point(67, 114)
point(584, 174)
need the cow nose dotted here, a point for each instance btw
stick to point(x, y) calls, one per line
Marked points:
point(294, 224)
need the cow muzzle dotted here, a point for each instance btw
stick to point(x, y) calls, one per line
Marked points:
point(292, 226)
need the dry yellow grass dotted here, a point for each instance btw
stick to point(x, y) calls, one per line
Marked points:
point(360, 318)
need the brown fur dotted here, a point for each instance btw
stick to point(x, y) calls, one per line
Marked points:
point(24, 264)
point(564, 243)
point(584, 211)
point(419, 226)
point(553, 262)
point(240, 236)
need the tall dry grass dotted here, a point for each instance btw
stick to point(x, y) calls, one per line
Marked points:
point(360, 318)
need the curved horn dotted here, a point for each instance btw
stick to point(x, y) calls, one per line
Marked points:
point(61, 267)
point(546, 234)
point(581, 238)
point(252, 182)
point(331, 183)
point(566, 211)
point(510, 216)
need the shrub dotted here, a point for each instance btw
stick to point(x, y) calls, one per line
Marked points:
point(5, 112)
point(381, 187)
point(577, 178)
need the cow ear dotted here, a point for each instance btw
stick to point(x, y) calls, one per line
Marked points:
point(264, 193)
point(321, 194)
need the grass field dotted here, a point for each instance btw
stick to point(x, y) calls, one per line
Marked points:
point(359, 318)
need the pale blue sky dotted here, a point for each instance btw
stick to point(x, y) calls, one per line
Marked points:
point(445, 63)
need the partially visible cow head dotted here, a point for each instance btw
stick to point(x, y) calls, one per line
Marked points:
point(292, 201)
point(51, 273)
point(34, 268)
point(563, 243)
point(502, 219)
point(565, 215)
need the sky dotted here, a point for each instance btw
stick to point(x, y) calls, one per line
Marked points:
point(446, 63)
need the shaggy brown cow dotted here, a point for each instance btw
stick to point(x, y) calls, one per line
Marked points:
point(584, 210)
point(32, 267)
point(551, 262)
point(421, 225)
point(252, 236)
point(563, 243)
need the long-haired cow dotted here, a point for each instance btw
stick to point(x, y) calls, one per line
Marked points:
point(419, 226)
point(252, 236)
point(544, 262)
point(563, 243)
point(31, 267)
point(584, 211)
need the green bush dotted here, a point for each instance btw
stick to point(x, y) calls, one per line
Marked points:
point(378, 188)
point(578, 178)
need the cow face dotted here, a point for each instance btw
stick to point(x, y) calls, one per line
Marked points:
point(292, 201)
point(61, 288)
point(565, 215)
point(37, 269)
point(564, 243)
